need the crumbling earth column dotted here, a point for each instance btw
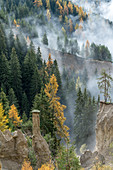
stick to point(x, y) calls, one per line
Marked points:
point(39, 144)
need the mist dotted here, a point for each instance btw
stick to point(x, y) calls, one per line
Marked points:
point(98, 28)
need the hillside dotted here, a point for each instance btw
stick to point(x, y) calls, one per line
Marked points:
point(56, 65)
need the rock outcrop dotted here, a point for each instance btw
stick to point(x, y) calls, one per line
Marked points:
point(104, 138)
point(104, 128)
point(13, 149)
point(88, 159)
point(39, 144)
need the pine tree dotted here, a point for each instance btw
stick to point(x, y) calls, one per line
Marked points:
point(16, 79)
point(35, 84)
point(56, 72)
point(12, 98)
point(2, 42)
point(25, 104)
point(11, 42)
point(45, 40)
point(39, 58)
point(104, 84)
point(4, 73)
point(3, 119)
point(41, 103)
point(28, 71)
point(85, 117)
point(21, 48)
point(4, 101)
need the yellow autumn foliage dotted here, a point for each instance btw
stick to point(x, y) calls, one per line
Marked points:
point(26, 166)
point(47, 166)
point(3, 119)
point(58, 109)
point(13, 115)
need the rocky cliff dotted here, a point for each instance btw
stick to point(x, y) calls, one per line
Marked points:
point(14, 149)
point(104, 138)
point(76, 62)
point(104, 128)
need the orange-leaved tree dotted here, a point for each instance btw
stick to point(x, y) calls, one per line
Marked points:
point(13, 116)
point(47, 166)
point(26, 166)
point(56, 107)
point(3, 119)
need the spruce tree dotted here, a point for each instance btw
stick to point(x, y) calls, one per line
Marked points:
point(4, 73)
point(4, 101)
point(16, 79)
point(11, 42)
point(12, 98)
point(35, 84)
point(39, 58)
point(25, 108)
point(3, 46)
point(41, 103)
point(104, 84)
point(45, 40)
point(29, 66)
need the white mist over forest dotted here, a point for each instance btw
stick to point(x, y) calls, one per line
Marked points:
point(98, 28)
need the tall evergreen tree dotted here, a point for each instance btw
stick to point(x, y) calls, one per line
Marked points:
point(11, 42)
point(85, 117)
point(35, 84)
point(12, 98)
point(28, 71)
point(4, 101)
point(45, 39)
point(4, 73)
point(104, 84)
point(39, 58)
point(16, 79)
point(41, 103)
point(3, 45)
point(25, 108)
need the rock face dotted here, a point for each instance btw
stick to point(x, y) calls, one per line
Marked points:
point(13, 149)
point(104, 138)
point(104, 128)
point(39, 144)
point(88, 159)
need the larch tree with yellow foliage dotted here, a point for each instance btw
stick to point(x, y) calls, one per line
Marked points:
point(13, 116)
point(47, 166)
point(26, 166)
point(56, 107)
point(3, 119)
point(48, 15)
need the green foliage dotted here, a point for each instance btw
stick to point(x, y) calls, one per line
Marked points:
point(12, 98)
point(67, 159)
point(32, 157)
point(27, 126)
point(104, 84)
point(16, 77)
point(41, 103)
point(4, 101)
point(100, 52)
point(52, 143)
point(45, 39)
point(85, 116)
